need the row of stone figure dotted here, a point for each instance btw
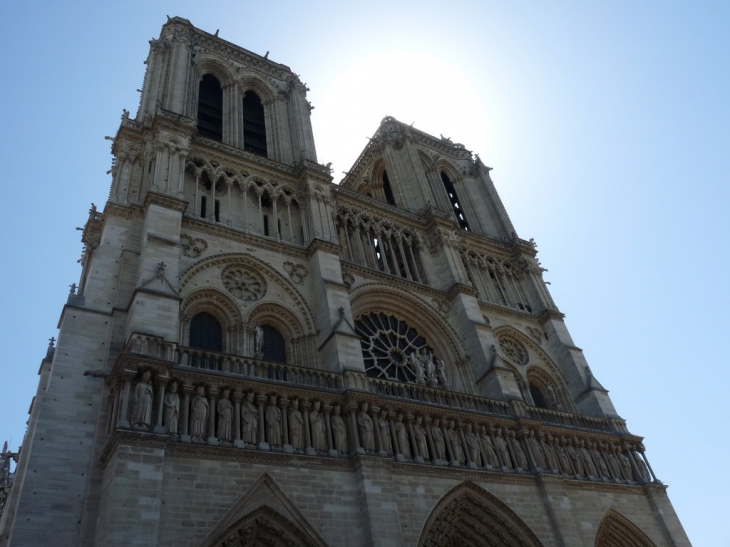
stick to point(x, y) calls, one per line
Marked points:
point(271, 423)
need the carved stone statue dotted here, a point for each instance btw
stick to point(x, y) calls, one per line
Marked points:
point(441, 373)
point(552, 397)
point(601, 466)
point(339, 431)
point(501, 445)
point(365, 427)
point(489, 452)
point(575, 458)
point(385, 433)
point(258, 338)
point(316, 421)
point(562, 457)
point(426, 359)
point(520, 458)
point(199, 408)
point(456, 449)
point(225, 417)
point(643, 471)
point(550, 458)
point(421, 442)
point(439, 445)
point(472, 445)
point(536, 450)
point(402, 435)
point(249, 419)
point(587, 461)
point(273, 423)
point(172, 409)
point(143, 396)
point(613, 464)
point(296, 425)
point(418, 369)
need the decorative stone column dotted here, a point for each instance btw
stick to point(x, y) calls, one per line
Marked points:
point(284, 406)
point(237, 398)
point(308, 448)
point(374, 413)
point(187, 389)
point(328, 430)
point(212, 400)
point(429, 440)
point(354, 436)
point(161, 384)
point(124, 418)
point(263, 445)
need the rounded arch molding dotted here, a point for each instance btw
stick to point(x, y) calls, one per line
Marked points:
point(210, 63)
point(615, 530)
point(306, 317)
point(277, 316)
point(469, 515)
point(417, 313)
point(213, 301)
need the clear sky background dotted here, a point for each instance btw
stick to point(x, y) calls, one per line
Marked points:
point(607, 125)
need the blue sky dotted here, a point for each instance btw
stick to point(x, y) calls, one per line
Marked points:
point(607, 125)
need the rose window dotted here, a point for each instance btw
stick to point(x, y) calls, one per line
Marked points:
point(516, 351)
point(387, 345)
point(243, 283)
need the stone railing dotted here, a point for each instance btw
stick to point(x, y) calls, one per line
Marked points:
point(427, 395)
point(248, 367)
point(570, 420)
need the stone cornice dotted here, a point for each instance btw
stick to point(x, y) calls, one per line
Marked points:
point(376, 207)
point(248, 160)
point(163, 200)
point(234, 234)
point(390, 279)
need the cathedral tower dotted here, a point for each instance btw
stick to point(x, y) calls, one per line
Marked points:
point(257, 356)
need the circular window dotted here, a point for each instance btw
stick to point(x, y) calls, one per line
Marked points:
point(387, 344)
point(515, 350)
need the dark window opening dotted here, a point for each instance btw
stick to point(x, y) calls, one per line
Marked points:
point(203, 202)
point(537, 397)
point(254, 124)
point(206, 333)
point(454, 198)
point(274, 347)
point(266, 225)
point(278, 227)
point(217, 210)
point(210, 108)
point(387, 189)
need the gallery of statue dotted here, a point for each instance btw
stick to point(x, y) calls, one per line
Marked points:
point(255, 355)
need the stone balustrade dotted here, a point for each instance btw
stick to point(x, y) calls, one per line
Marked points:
point(249, 367)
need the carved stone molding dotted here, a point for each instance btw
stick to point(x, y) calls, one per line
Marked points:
point(296, 272)
point(193, 247)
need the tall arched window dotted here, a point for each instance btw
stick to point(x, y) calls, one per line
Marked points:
point(254, 124)
point(274, 347)
point(455, 205)
point(537, 396)
point(206, 333)
point(210, 108)
point(387, 189)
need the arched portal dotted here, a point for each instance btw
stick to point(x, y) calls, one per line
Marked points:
point(615, 530)
point(469, 515)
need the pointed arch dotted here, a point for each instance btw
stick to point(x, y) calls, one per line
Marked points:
point(469, 515)
point(543, 370)
point(264, 515)
point(615, 530)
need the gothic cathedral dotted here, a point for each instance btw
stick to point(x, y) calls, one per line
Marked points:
point(255, 355)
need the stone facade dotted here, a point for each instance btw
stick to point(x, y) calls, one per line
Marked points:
point(257, 356)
